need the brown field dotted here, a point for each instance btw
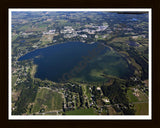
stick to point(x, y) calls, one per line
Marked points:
point(111, 110)
point(33, 71)
point(15, 95)
point(47, 38)
point(142, 96)
point(141, 108)
point(146, 82)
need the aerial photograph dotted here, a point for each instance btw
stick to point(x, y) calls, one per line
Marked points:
point(79, 63)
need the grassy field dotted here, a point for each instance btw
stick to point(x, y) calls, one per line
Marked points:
point(142, 97)
point(141, 109)
point(89, 111)
point(140, 101)
point(47, 100)
point(111, 110)
point(14, 78)
point(47, 38)
point(33, 71)
point(131, 97)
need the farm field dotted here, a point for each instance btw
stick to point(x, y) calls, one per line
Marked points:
point(47, 100)
point(141, 108)
point(90, 111)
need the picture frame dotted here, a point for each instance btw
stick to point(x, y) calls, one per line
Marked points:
point(81, 123)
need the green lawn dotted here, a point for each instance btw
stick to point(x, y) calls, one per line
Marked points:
point(48, 100)
point(89, 111)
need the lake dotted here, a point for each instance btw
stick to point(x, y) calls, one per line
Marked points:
point(54, 61)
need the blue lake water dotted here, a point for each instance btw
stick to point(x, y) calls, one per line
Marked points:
point(134, 19)
point(54, 61)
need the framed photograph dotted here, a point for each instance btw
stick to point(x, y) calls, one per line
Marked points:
point(80, 64)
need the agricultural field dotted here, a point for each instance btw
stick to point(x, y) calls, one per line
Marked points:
point(46, 101)
point(141, 108)
point(135, 95)
point(139, 100)
point(14, 78)
point(90, 111)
